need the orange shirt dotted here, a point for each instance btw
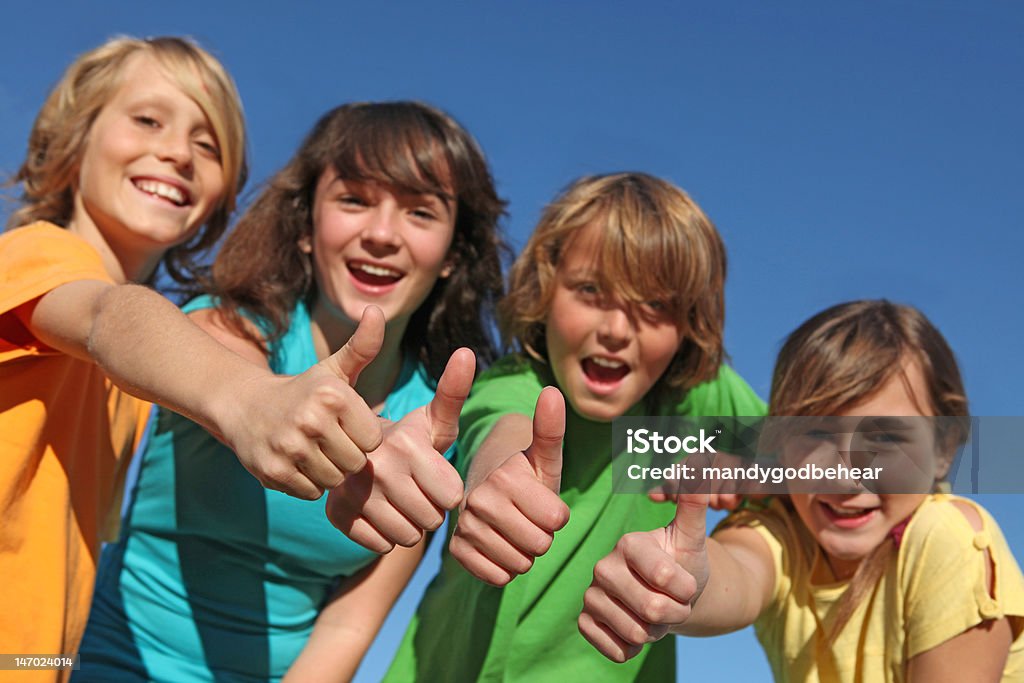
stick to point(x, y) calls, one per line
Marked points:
point(66, 435)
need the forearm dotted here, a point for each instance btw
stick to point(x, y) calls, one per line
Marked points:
point(510, 435)
point(351, 620)
point(147, 346)
point(726, 604)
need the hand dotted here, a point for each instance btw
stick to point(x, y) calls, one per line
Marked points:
point(407, 484)
point(511, 517)
point(725, 494)
point(303, 434)
point(715, 501)
point(648, 583)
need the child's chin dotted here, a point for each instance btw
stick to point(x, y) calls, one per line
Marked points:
point(596, 410)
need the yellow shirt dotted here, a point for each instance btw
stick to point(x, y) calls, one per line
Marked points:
point(66, 434)
point(933, 589)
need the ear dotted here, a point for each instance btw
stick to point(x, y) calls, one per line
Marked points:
point(305, 245)
point(947, 446)
point(446, 271)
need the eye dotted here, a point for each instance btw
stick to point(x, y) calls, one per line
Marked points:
point(146, 121)
point(351, 200)
point(209, 147)
point(424, 214)
point(884, 437)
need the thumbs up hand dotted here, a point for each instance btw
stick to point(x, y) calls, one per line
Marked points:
point(407, 484)
point(510, 518)
point(648, 583)
point(303, 434)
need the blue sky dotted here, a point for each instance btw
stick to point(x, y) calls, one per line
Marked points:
point(843, 150)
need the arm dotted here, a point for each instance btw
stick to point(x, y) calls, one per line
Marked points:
point(511, 434)
point(511, 510)
point(350, 621)
point(978, 655)
point(297, 434)
point(676, 580)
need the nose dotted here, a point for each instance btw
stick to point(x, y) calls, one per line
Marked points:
point(175, 146)
point(382, 227)
point(615, 328)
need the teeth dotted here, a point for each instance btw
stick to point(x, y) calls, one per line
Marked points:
point(159, 189)
point(843, 512)
point(607, 362)
point(377, 270)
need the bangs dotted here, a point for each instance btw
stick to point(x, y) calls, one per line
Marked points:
point(636, 265)
point(394, 146)
point(642, 255)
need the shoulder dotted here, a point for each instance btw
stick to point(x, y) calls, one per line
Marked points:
point(44, 248)
point(38, 258)
point(203, 311)
point(46, 241)
point(726, 394)
point(947, 520)
point(510, 386)
point(954, 548)
point(512, 380)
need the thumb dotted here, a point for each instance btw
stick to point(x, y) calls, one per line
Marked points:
point(545, 452)
point(452, 390)
point(688, 529)
point(361, 348)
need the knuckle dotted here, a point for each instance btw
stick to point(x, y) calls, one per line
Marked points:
point(630, 542)
point(276, 472)
point(637, 635)
point(502, 478)
point(520, 565)
point(555, 516)
point(410, 538)
point(654, 609)
point(591, 597)
point(307, 421)
point(662, 573)
point(540, 545)
point(604, 573)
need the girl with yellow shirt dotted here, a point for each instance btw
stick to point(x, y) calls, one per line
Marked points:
point(851, 584)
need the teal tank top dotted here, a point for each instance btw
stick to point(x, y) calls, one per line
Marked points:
point(215, 577)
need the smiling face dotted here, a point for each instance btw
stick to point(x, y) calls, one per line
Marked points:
point(150, 173)
point(848, 526)
point(606, 353)
point(374, 244)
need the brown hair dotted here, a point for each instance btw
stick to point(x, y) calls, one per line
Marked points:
point(413, 147)
point(655, 244)
point(61, 132)
point(845, 354)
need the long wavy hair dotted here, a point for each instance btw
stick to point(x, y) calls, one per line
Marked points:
point(413, 147)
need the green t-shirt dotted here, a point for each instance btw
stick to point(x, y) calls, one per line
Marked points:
point(466, 630)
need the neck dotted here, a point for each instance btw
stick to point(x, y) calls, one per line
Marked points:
point(332, 330)
point(123, 263)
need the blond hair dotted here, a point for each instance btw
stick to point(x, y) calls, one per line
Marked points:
point(56, 145)
point(655, 244)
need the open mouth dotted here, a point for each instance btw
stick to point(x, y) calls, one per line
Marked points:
point(171, 193)
point(847, 517)
point(604, 371)
point(374, 274)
